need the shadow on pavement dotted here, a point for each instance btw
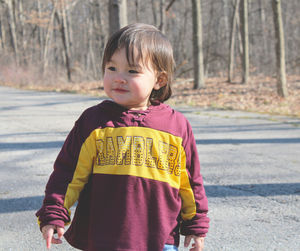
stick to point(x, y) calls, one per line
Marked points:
point(20, 204)
point(30, 145)
point(271, 189)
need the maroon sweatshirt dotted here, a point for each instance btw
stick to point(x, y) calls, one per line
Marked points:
point(136, 177)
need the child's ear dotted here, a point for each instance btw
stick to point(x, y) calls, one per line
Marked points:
point(162, 80)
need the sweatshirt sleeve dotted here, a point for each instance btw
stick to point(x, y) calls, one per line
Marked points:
point(194, 201)
point(71, 172)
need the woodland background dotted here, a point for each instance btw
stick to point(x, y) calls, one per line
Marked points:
point(58, 45)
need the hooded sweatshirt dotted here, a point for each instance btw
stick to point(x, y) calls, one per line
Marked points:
point(136, 177)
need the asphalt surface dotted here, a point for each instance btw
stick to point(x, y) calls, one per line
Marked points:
point(250, 163)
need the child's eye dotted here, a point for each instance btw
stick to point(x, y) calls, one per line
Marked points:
point(133, 71)
point(111, 68)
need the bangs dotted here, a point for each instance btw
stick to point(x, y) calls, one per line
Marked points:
point(137, 49)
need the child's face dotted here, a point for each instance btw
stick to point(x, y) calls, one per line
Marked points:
point(130, 86)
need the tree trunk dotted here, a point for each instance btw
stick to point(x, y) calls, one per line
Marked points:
point(280, 50)
point(91, 57)
point(2, 33)
point(70, 30)
point(232, 42)
point(209, 36)
point(117, 14)
point(98, 34)
point(66, 40)
point(23, 33)
point(102, 33)
point(226, 15)
point(197, 45)
point(41, 34)
point(245, 43)
point(263, 30)
point(137, 5)
point(240, 37)
point(154, 11)
point(162, 25)
point(13, 30)
point(164, 8)
point(48, 38)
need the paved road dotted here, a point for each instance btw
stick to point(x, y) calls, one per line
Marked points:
point(250, 164)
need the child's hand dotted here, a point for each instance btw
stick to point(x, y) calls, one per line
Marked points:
point(48, 232)
point(198, 244)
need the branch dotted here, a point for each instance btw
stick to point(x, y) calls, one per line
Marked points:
point(170, 5)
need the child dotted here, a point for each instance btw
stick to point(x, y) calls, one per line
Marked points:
point(131, 162)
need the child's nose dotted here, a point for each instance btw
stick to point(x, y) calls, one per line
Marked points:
point(120, 78)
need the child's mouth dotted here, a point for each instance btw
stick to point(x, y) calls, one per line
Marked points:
point(120, 90)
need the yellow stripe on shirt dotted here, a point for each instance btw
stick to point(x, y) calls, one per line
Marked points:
point(141, 152)
point(135, 151)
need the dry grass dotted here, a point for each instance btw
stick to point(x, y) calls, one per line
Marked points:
point(259, 95)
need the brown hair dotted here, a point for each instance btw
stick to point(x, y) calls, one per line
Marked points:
point(150, 44)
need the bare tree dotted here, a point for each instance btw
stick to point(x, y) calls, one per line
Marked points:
point(263, 26)
point(96, 37)
point(40, 30)
point(117, 14)
point(23, 32)
point(280, 50)
point(164, 8)
point(2, 29)
point(197, 45)
point(137, 5)
point(245, 42)
point(226, 15)
point(50, 28)
point(232, 41)
point(162, 25)
point(65, 35)
point(154, 11)
point(209, 39)
point(13, 29)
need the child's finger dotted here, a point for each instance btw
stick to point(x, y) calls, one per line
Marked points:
point(48, 236)
point(60, 232)
point(48, 241)
point(199, 244)
point(187, 240)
